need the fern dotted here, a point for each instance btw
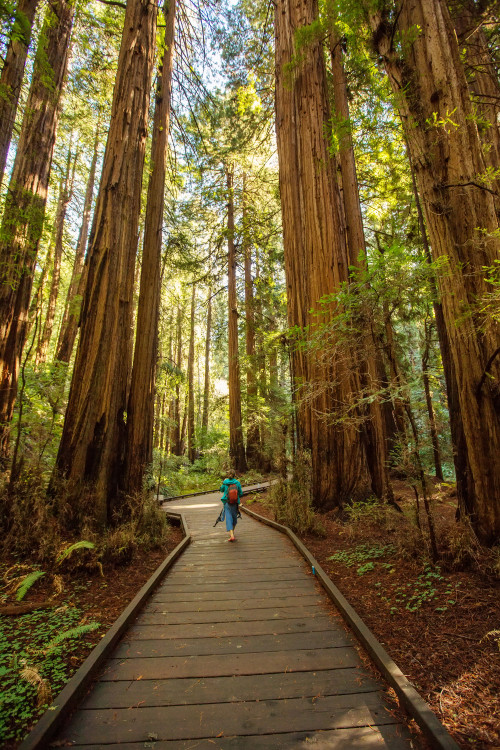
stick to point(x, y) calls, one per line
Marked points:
point(27, 582)
point(33, 676)
point(83, 544)
point(72, 633)
point(495, 634)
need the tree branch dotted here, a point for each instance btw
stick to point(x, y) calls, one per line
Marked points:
point(486, 370)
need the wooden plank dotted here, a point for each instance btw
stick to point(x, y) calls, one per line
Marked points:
point(227, 629)
point(418, 709)
point(176, 618)
point(189, 691)
point(390, 736)
point(209, 605)
point(67, 699)
point(243, 562)
point(131, 648)
point(230, 664)
point(264, 575)
point(210, 720)
point(223, 595)
point(170, 586)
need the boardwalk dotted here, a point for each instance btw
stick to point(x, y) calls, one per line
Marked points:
point(236, 649)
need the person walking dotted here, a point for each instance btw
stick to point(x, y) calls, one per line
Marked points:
point(231, 494)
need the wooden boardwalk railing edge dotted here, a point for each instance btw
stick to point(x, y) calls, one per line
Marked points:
point(45, 729)
point(416, 707)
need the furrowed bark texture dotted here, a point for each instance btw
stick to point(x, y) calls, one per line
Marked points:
point(373, 424)
point(316, 259)
point(93, 438)
point(24, 211)
point(442, 135)
point(236, 445)
point(13, 73)
point(140, 411)
point(69, 325)
point(482, 78)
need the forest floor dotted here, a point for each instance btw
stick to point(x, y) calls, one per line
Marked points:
point(435, 621)
point(35, 663)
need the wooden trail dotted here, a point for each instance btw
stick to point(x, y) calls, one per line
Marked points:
point(237, 648)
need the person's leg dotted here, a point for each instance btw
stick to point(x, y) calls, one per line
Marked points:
point(229, 522)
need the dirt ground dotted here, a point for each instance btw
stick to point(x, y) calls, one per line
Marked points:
point(435, 621)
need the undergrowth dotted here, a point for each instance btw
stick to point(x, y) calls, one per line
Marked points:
point(291, 500)
point(41, 526)
point(36, 655)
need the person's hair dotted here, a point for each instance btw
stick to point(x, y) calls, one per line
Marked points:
point(231, 474)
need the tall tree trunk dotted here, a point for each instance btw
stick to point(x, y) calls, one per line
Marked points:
point(236, 446)
point(182, 444)
point(176, 427)
point(69, 325)
point(65, 195)
point(316, 259)
point(253, 433)
point(463, 227)
point(460, 459)
point(206, 384)
point(140, 410)
point(93, 439)
point(373, 424)
point(190, 409)
point(482, 78)
point(428, 400)
point(24, 212)
point(13, 73)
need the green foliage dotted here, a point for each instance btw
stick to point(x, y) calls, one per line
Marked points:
point(428, 588)
point(73, 633)
point(27, 583)
point(291, 501)
point(65, 553)
point(35, 659)
point(363, 553)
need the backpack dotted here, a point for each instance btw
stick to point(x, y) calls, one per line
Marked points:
point(232, 494)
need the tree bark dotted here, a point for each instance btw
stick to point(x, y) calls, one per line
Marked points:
point(24, 211)
point(69, 325)
point(428, 400)
point(65, 195)
point(482, 78)
point(236, 445)
point(13, 73)
point(140, 410)
point(93, 439)
point(316, 260)
point(206, 385)
point(253, 432)
point(445, 147)
point(373, 424)
point(176, 427)
point(190, 409)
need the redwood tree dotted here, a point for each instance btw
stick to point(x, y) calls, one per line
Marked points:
point(427, 76)
point(316, 258)
point(26, 200)
point(71, 316)
point(93, 440)
point(13, 72)
point(140, 410)
point(236, 444)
